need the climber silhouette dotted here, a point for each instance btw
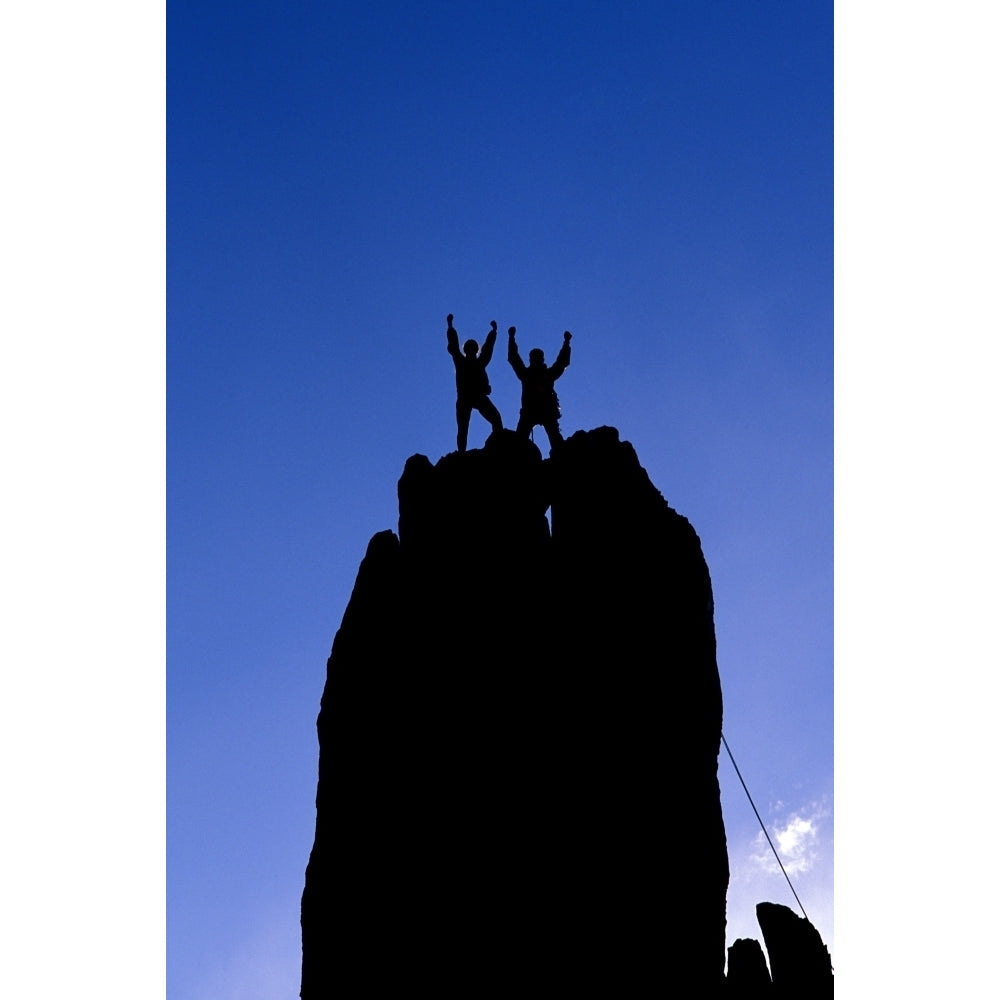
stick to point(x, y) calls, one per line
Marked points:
point(539, 402)
point(471, 382)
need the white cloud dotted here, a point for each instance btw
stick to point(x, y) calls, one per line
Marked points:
point(797, 839)
point(793, 841)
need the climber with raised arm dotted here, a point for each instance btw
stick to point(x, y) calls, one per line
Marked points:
point(539, 402)
point(471, 381)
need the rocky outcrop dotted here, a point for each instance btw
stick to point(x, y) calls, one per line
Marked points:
point(800, 962)
point(519, 737)
point(746, 973)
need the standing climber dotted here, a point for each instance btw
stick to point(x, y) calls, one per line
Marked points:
point(471, 381)
point(539, 402)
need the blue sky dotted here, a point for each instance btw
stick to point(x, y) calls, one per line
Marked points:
point(656, 178)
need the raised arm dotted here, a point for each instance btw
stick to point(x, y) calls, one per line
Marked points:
point(512, 356)
point(453, 339)
point(562, 359)
point(491, 338)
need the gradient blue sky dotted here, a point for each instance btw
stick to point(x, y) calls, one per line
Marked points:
point(657, 178)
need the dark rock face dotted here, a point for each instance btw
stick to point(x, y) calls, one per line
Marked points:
point(747, 976)
point(519, 738)
point(800, 962)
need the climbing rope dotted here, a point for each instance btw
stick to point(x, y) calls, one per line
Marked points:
point(764, 828)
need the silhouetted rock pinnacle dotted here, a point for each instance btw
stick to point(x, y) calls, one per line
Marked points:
point(746, 976)
point(800, 962)
point(519, 738)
